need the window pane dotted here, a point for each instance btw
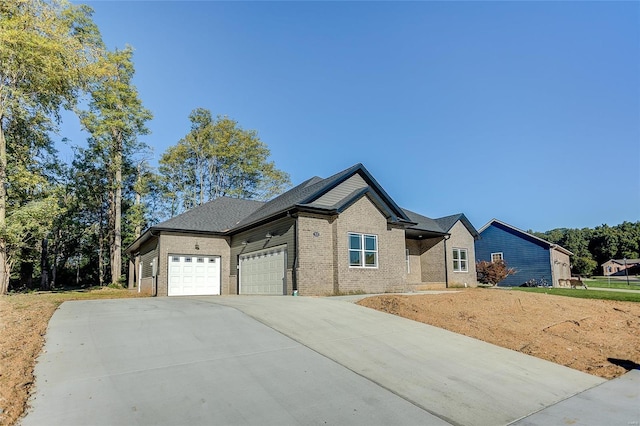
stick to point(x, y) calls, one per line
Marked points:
point(463, 254)
point(369, 258)
point(455, 254)
point(354, 258)
point(354, 241)
point(456, 266)
point(463, 265)
point(370, 242)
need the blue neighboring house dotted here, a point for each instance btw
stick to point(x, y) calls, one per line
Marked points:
point(532, 257)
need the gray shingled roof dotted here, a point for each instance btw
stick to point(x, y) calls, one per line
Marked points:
point(225, 214)
point(305, 193)
point(219, 215)
point(447, 223)
point(424, 223)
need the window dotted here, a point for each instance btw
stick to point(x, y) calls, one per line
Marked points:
point(175, 259)
point(460, 260)
point(200, 260)
point(187, 260)
point(496, 257)
point(363, 251)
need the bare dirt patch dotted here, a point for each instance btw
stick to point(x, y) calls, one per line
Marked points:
point(598, 337)
point(23, 324)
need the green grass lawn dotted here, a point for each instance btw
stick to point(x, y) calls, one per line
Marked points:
point(584, 294)
point(601, 282)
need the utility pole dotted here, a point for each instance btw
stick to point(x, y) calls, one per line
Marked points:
point(626, 271)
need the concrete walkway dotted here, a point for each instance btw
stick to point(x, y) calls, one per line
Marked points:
point(620, 290)
point(616, 402)
point(458, 379)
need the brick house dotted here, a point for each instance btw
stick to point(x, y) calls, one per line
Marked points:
point(620, 267)
point(341, 234)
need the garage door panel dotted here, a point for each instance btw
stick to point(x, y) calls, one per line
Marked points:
point(188, 275)
point(263, 272)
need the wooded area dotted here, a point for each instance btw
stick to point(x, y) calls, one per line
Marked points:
point(66, 224)
point(592, 247)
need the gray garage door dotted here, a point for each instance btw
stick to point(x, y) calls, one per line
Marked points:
point(263, 272)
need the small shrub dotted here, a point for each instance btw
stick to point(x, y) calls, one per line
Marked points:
point(493, 272)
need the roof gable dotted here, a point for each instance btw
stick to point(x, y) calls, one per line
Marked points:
point(522, 234)
point(329, 195)
point(447, 222)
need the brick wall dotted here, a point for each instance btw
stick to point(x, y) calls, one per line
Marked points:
point(461, 238)
point(415, 274)
point(323, 253)
point(178, 243)
point(432, 261)
point(315, 255)
point(391, 274)
point(146, 286)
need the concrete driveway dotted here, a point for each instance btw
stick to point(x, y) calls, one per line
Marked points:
point(175, 361)
point(279, 360)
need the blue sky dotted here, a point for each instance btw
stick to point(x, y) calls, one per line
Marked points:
point(528, 112)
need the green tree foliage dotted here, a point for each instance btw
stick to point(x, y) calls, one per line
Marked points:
point(115, 119)
point(593, 247)
point(218, 158)
point(48, 52)
point(493, 272)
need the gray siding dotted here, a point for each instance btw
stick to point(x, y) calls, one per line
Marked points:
point(338, 193)
point(282, 231)
point(147, 253)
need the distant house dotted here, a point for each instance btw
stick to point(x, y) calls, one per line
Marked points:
point(615, 267)
point(341, 234)
point(532, 257)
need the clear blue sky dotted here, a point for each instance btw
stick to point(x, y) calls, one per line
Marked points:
point(528, 112)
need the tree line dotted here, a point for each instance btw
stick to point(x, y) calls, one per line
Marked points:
point(63, 224)
point(67, 224)
point(593, 247)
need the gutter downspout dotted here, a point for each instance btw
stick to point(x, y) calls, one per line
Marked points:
point(552, 252)
point(294, 274)
point(155, 279)
point(446, 263)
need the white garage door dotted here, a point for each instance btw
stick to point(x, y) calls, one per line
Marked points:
point(191, 275)
point(262, 272)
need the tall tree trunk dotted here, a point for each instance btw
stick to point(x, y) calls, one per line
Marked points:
point(138, 201)
point(44, 266)
point(26, 269)
point(100, 264)
point(5, 269)
point(116, 249)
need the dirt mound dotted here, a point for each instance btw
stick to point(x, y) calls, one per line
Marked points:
point(598, 337)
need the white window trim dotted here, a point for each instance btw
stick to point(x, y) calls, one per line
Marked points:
point(460, 260)
point(497, 252)
point(362, 250)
